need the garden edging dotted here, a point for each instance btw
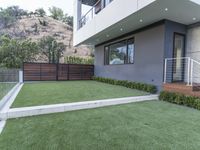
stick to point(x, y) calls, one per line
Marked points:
point(49, 109)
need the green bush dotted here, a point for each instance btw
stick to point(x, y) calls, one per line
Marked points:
point(133, 85)
point(79, 60)
point(180, 99)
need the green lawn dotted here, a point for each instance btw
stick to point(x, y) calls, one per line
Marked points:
point(152, 125)
point(5, 88)
point(43, 93)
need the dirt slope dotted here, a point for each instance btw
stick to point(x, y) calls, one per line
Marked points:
point(30, 27)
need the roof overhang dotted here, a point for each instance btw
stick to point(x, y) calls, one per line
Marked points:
point(182, 11)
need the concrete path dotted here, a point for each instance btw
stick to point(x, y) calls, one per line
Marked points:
point(49, 109)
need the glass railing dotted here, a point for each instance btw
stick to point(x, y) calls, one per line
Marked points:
point(96, 8)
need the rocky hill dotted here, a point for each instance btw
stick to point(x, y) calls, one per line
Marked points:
point(37, 27)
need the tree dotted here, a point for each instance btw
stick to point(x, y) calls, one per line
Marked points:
point(16, 11)
point(56, 13)
point(9, 15)
point(41, 12)
point(51, 48)
point(6, 19)
point(14, 52)
point(68, 20)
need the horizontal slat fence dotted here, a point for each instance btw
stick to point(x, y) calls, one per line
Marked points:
point(57, 72)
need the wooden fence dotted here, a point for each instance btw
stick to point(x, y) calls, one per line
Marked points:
point(57, 72)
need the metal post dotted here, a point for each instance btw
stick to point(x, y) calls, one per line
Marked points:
point(192, 67)
point(188, 80)
point(92, 13)
point(165, 71)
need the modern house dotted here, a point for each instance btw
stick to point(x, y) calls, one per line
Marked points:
point(150, 41)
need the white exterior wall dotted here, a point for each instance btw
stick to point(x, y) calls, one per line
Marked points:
point(111, 14)
point(193, 43)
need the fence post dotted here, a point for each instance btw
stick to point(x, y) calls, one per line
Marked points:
point(68, 72)
point(40, 73)
point(57, 69)
point(191, 76)
point(188, 80)
point(165, 71)
point(21, 76)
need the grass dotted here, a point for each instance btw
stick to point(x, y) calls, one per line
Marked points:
point(43, 93)
point(5, 88)
point(152, 125)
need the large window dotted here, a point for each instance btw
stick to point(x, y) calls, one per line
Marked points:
point(120, 53)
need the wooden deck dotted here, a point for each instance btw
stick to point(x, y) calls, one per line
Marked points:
point(182, 89)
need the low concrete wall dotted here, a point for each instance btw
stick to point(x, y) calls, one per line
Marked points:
point(49, 109)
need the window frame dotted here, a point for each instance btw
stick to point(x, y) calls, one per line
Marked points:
point(107, 55)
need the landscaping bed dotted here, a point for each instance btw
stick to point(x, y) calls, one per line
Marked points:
point(154, 125)
point(44, 93)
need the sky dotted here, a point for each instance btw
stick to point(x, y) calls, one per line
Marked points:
point(31, 5)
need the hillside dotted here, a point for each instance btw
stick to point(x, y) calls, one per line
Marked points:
point(30, 27)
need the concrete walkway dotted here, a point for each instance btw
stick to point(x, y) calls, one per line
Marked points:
point(49, 109)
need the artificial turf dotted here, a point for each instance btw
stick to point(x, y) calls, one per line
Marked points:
point(44, 93)
point(151, 125)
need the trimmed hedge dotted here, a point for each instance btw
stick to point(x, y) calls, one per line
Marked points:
point(133, 85)
point(180, 99)
point(79, 60)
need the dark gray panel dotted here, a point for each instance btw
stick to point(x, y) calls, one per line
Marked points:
point(148, 66)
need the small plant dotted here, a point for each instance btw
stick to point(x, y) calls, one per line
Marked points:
point(129, 84)
point(43, 22)
point(180, 99)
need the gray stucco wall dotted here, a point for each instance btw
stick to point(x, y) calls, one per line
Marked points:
point(170, 29)
point(148, 66)
point(193, 43)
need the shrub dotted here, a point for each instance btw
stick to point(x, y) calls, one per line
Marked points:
point(133, 85)
point(180, 99)
point(41, 12)
point(43, 22)
point(79, 60)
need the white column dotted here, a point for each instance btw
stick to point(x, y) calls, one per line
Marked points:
point(77, 14)
point(20, 76)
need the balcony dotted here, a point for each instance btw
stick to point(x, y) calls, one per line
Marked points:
point(96, 7)
point(124, 16)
